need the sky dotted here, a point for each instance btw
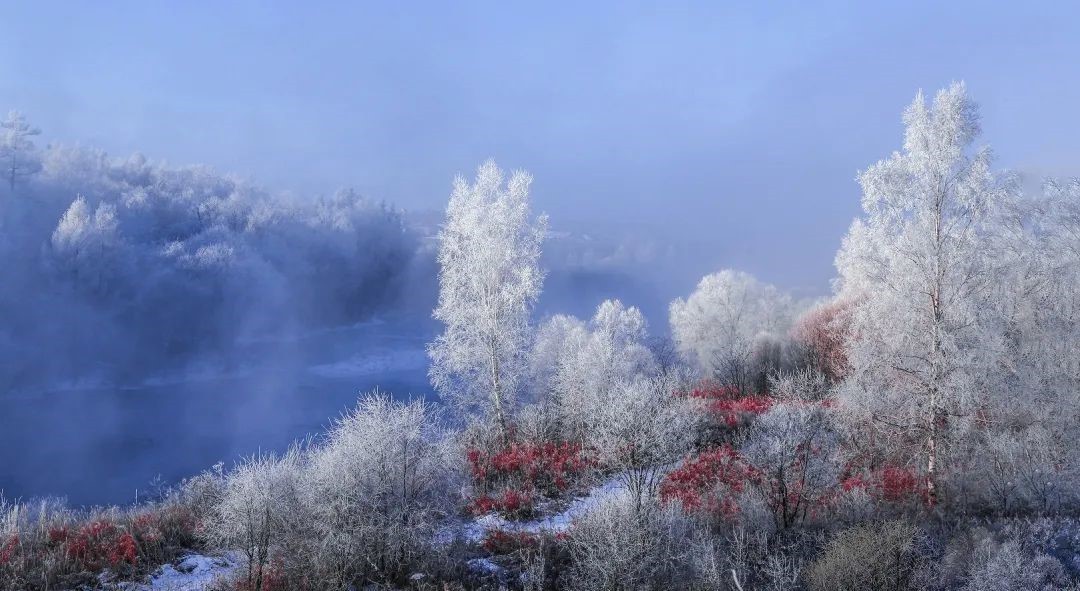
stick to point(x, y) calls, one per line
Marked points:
point(734, 130)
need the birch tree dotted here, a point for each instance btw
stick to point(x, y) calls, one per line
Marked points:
point(917, 265)
point(489, 280)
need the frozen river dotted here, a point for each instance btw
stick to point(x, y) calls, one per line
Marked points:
point(99, 444)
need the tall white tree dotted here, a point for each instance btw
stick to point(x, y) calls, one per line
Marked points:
point(489, 280)
point(725, 320)
point(17, 154)
point(918, 267)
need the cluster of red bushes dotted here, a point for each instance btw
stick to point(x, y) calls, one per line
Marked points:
point(500, 542)
point(70, 548)
point(730, 406)
point(823, 332)
point(511, 503)
point(7, 551)
point(522, 472)
point(707, 483)
point(96, 545)
point(547, 467)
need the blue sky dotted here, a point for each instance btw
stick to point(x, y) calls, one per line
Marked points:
point(733, 129)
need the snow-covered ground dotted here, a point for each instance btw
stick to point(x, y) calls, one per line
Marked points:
point(194, 572)
point(476, 530)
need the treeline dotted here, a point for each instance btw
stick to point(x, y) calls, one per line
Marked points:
point(118, 268)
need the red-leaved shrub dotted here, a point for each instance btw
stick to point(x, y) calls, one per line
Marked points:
point(7, 551)
point(270, 578)
point(898, 484)
point(728, 405)
point(99, 544)
point(547, 467)
point(511, 503)
point(510, 480)
point(706, 484)
point(499, 541)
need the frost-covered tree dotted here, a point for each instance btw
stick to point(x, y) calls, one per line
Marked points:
point(919, 267)
point(17, 154)
point(730, 317)
point(575, 366)
point(1039, 301)
point(489, 280)
point(84, 243)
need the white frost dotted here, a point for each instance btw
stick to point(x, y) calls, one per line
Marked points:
point(194, 572)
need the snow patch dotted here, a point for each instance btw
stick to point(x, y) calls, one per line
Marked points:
point(476, 530)
point(194, 572)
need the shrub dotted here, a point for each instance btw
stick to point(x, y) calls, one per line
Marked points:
point(642, 430)
point(872, 556)
point(512, 504)
point(890, 485)
point(708, 483)
point(723, 411)
point(258, 509)
point(45, 545)
point(795, 456)
point(822, 334)
point(619, 544)
point(1007, 566)
point(500, 542)
point(547, 467)
point(375, 490)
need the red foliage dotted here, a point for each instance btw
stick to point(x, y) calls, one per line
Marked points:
point(522, 471)
point(123, 550)
point(58, 534)
point(893, 484)
point(548, 467)
point(499, 541)
point(511, 503)
point(7, 551)
point(706, 483)
point(824, 331)
point(736, 412)
point(729, 405)
point(853, 482)
point(99, 544)
point(897, 484)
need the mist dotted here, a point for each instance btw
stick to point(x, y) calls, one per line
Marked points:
point(665, 145)
point(158, 319)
